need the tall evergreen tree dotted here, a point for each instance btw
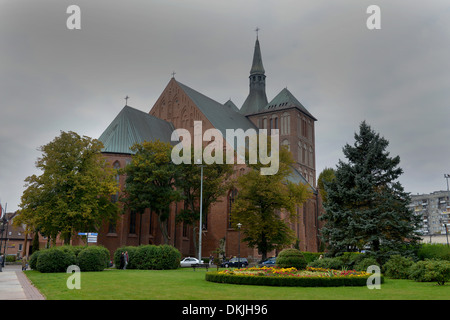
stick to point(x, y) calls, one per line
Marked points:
point(366, 207)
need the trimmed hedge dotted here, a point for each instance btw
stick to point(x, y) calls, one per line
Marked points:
point(58, 259)
point(291, 258)
point(434, 251)
point(150, 257)
point(93, 258)
point(55, 259)
point(287, 281)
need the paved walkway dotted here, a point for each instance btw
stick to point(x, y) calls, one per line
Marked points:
point(14, 285)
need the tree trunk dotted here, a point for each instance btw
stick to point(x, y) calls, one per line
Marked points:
point(163, 228)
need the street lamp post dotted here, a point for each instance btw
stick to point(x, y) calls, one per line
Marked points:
point(239, 225)
point(446, 176)
point(201, 213)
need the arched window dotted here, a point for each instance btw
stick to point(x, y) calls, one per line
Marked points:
point(231, 198)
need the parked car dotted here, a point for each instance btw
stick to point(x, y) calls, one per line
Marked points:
point(268, 262)
point(235, 263)
point(189, 261)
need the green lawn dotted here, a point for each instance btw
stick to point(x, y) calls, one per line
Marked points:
point(186, 284)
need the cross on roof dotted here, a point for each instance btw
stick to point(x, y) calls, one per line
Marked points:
point(257, 30)
point(173, 74)
point(126, 100)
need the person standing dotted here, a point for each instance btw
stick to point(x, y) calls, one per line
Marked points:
point(125, 260)
point(24, 263)
point(122, 260)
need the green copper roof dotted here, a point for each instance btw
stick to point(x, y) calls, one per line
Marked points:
point(133, 126)
point(230, 104)
point(285, 99)
point(257, 65)
point(221, 117)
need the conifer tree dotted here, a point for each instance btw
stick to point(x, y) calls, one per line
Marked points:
point(366, 207)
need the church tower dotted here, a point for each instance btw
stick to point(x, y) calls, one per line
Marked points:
point(257, 99)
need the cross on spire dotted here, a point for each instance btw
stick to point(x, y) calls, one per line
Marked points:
point(257, 30)
point(173, 74)
point(126, 100)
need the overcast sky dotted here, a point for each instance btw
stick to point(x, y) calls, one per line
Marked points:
point(396, 78)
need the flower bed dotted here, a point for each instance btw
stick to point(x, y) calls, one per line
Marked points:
point(310, 277)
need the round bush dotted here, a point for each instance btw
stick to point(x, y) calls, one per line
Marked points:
point(170, 257)
point(397, 267)
point(291, 258)
point(147, 257)
point(33, 259)
point(55, 260)
point(93, 258)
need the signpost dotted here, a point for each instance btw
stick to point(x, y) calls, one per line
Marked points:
point(91, 236)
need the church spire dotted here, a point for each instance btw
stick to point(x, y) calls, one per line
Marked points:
point(257, 98)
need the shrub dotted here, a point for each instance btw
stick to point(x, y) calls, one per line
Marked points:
point(170, 257)
point(55, 260)
point(434, 251)
point(397, 267)
point(431, 270)
point(351, 259)
point(311, 256)
point(291, 258)
point(365, 263)
point(33, 259)
point(151, 257)
point(327, 263)
point(93, 258)
point(147, 257)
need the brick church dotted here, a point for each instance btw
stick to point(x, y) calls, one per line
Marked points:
point(178, 107)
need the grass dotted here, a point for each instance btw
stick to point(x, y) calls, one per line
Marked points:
point(186, 284)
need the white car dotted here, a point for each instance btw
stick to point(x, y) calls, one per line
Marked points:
point(187, 262)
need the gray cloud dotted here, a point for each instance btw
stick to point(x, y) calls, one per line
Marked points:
point(396, 78)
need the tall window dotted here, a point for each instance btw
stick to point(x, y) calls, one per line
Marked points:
point(231, 198)
point(299, 151)
point(115, 197)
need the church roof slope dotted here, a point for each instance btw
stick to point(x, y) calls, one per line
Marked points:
point(285, 99)
point(133, 126)
point(221, 117)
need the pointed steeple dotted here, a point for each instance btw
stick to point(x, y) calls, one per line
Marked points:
point(257, 65)
point(257, 98)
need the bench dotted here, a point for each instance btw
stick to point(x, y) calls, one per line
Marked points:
point(200, 265)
